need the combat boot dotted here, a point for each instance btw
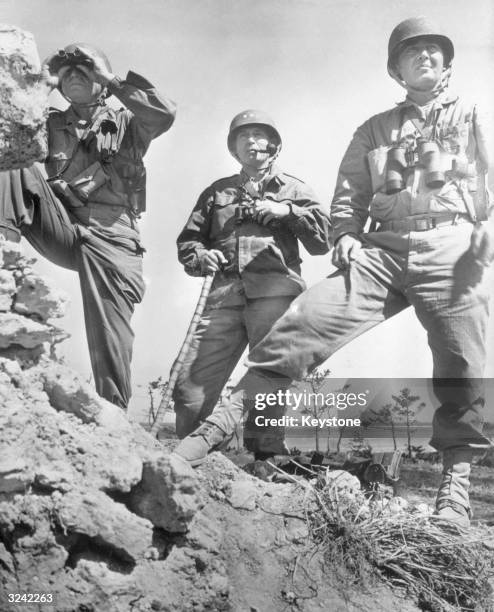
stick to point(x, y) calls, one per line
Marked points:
point(452, 503)
point(196, 446)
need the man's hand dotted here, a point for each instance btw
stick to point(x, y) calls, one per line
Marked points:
point(482, 244)
point(346, 250)
point(211, 261)
point(98, 70)
point(46, 77)
point(267, 211)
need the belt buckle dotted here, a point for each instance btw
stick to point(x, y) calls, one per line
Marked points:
point(422, 225)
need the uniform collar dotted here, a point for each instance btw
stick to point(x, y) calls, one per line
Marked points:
point(275, 175)
point(445, 98)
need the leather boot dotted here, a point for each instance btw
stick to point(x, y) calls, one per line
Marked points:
point(452, 503)
point(196, 446)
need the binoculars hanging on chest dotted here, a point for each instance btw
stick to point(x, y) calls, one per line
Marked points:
point(245, 212)
point(403, 158)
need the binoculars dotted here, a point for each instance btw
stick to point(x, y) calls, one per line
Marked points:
point(70, 58)
point(245, 213)
point(398, 161)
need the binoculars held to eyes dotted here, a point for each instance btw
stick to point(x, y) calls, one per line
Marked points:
point(405, 156)
point(68, 58)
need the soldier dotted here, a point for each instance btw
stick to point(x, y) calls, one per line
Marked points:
point(419, 171)
point(84, 217)
point(245, 229)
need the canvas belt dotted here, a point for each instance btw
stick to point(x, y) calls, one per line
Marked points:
point(423, 224)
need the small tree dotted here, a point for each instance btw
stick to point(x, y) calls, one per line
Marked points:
point(156, 389)
point(404, 407)
point(380, 416)
point(316, 380)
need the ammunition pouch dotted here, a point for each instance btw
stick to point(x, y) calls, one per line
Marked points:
point(133, 176)
point(88, 181)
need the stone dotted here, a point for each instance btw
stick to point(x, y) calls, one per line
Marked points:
point(36, 296)
point(10, 252)
point(242, 494)
point(396, 505)
point(11, 368)
point(167, 494)
point(56, 474)
point(7, 290)
point(23, 100)
point(6, 559)
point(109, 524)
point(12, 470)
point(68, 392)
point(423, 509)
point(342, 482)
point(18, 330)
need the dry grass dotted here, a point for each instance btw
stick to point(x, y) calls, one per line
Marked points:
point(444, 569)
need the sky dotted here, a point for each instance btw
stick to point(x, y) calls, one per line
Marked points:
point(317, 66)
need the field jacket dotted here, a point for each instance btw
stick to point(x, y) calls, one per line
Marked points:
point(101, 160)
point(361, 184)
point(262, 260)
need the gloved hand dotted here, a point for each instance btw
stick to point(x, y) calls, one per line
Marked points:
point(211, 261)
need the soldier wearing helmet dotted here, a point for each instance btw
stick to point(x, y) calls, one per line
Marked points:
point(85, 216)
point(245, 229)
point(418, 173)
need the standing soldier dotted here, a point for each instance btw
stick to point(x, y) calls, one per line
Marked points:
point(419, 171)
point(244, 229)
point(85, 217)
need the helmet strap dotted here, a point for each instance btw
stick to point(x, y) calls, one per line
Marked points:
point(263, 170)
point(438, 89)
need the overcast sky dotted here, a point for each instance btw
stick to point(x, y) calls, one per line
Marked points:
point(317, 66)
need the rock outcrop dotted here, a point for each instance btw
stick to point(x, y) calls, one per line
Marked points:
point(23, 100)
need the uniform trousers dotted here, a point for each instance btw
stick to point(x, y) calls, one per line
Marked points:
point(221, 337)
point(432, 271)
point(102, 245)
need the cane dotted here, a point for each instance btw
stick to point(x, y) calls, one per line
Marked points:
point(177, 366)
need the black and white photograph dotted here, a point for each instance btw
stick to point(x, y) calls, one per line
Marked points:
point(246, 274)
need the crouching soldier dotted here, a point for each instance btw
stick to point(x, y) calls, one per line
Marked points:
point(84, 217)
point(419, 170)
point(244, 229)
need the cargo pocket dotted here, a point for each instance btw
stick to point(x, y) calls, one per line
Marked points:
point(377, 159)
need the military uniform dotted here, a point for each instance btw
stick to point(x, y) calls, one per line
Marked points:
point(85, 217)
point(418, 256)
point(253, 290)
point(419, 172)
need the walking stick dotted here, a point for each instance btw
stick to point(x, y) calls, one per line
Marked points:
point(177, 366)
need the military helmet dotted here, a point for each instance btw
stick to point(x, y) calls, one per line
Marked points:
point(70, 55)
point(417, 27)
point(252, 117)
